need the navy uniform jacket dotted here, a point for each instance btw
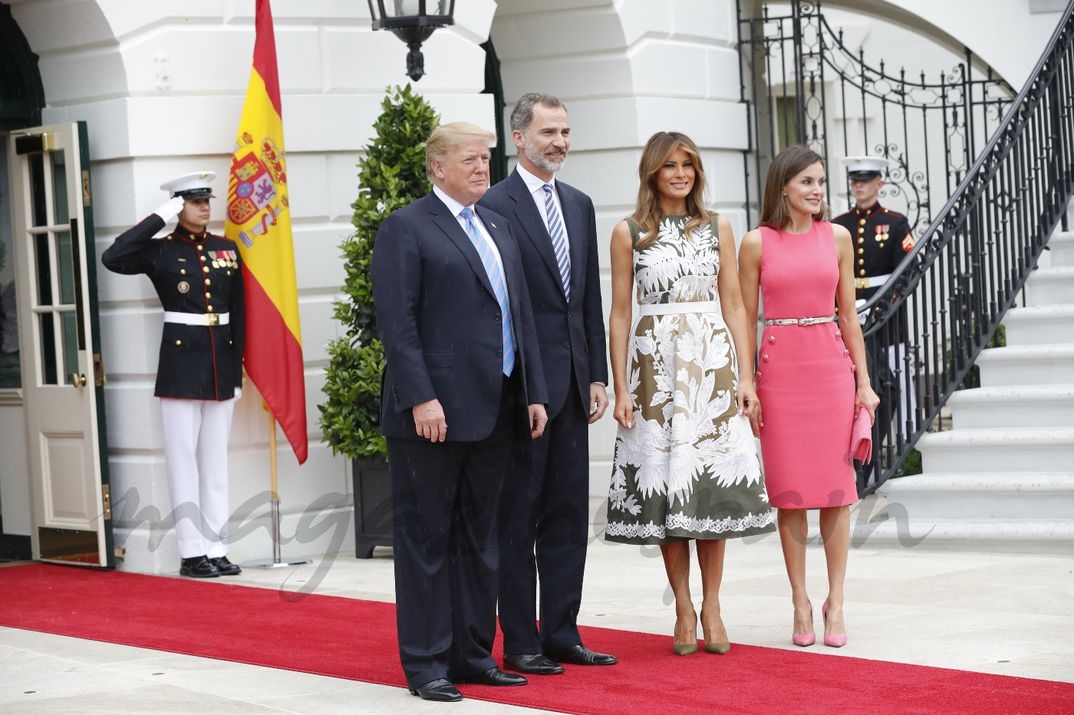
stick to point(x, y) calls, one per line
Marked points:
point(881, 240)
point(192, 274)
point(571, 333)
point(441, 325)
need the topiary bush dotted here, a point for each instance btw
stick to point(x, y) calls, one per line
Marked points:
point(390, 176)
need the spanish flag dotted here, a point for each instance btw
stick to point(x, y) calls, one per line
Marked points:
point(258, 220)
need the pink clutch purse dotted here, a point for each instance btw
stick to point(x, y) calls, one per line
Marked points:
point(861, 437)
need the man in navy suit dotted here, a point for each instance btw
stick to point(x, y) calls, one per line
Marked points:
point(544, 511)
point(463, 383)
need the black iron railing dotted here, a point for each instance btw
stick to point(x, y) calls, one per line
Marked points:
point(974, 258)
point(803, 85)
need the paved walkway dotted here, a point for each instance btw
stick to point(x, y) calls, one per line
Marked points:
point(1009, 614)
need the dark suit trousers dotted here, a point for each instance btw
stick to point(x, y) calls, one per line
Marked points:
point(544, 522)
point(445, 500)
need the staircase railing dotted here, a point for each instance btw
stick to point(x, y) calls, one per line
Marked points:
point(944, 304)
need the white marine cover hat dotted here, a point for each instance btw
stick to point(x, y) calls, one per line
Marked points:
point(197, 185)
point(865, 167)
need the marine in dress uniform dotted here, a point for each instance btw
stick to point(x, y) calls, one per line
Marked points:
point(881, 239)
point(881, 236)
point(198, 278)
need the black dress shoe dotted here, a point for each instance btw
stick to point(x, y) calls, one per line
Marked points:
point(225, 567)
point(440, 690)
point(494, 676)
point(580, 655)
point(532, 664)
point(198, 567)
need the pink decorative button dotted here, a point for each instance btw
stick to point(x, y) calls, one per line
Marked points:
point(846, 352)
point(771, 338)
point(765, 357)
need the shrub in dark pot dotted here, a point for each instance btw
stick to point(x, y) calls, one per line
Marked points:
point(390, 175)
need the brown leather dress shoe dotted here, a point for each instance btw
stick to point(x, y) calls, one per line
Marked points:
point(580, 655)
point(532, 664)
point(440, 690)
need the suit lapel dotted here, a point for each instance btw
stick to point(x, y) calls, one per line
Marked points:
point(496, 231)
point(447, 223)
point(531, 222)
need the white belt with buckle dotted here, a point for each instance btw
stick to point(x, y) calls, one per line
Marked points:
point(701, 306)
point(801, 321)
point(871, 281)
point(209, 319)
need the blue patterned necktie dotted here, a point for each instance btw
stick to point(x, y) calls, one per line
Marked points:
point(559, 240)
point(499, 286)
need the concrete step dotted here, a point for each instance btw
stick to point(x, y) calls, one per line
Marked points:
point(1027, 365)
point(1040, 325)
point(1050, 286)
point(1021, 405)
point(1061, 248)
point(983, 495)
point(1034, 449)
point(1030, 536)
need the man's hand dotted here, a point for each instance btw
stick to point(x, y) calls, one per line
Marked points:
point(170, 208)
point(538, 419)
point(598, 401)
point(429, 420)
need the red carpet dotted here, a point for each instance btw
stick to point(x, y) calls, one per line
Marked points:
point(348, 638)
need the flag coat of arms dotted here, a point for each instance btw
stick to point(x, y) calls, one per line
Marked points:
point(259, 222)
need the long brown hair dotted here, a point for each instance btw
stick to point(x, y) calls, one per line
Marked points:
point(788, 163)
point(647, 213)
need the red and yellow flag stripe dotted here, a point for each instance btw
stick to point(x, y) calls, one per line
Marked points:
point(259, 221)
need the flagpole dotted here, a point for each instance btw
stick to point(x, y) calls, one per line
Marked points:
point(277, 560)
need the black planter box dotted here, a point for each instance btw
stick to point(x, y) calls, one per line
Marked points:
point(372, 506)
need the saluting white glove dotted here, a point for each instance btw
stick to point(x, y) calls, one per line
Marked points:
point(170, 209)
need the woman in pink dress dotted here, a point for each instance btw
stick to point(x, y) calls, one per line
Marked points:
point(811, 373)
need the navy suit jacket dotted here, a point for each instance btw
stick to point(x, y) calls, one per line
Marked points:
point(441, 325)
point(571, 332)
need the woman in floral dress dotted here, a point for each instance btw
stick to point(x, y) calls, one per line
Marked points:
point(686, 464)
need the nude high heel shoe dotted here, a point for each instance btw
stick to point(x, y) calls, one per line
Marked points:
point(833, 641)
point(717, 647)
point(805, 639)
point(688, 648)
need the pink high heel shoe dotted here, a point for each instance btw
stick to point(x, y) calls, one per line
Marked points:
point(805, 639)
point(831, 640)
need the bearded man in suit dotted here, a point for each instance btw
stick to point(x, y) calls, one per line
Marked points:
point(544, 511)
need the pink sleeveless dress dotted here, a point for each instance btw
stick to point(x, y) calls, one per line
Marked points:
point(805, 377)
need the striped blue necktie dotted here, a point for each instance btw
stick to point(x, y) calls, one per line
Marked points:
point(499, 286)
point(559, 240)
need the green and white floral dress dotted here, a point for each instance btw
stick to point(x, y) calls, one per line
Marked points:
point(688, 468)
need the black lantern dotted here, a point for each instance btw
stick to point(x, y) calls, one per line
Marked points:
point(411, 22)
